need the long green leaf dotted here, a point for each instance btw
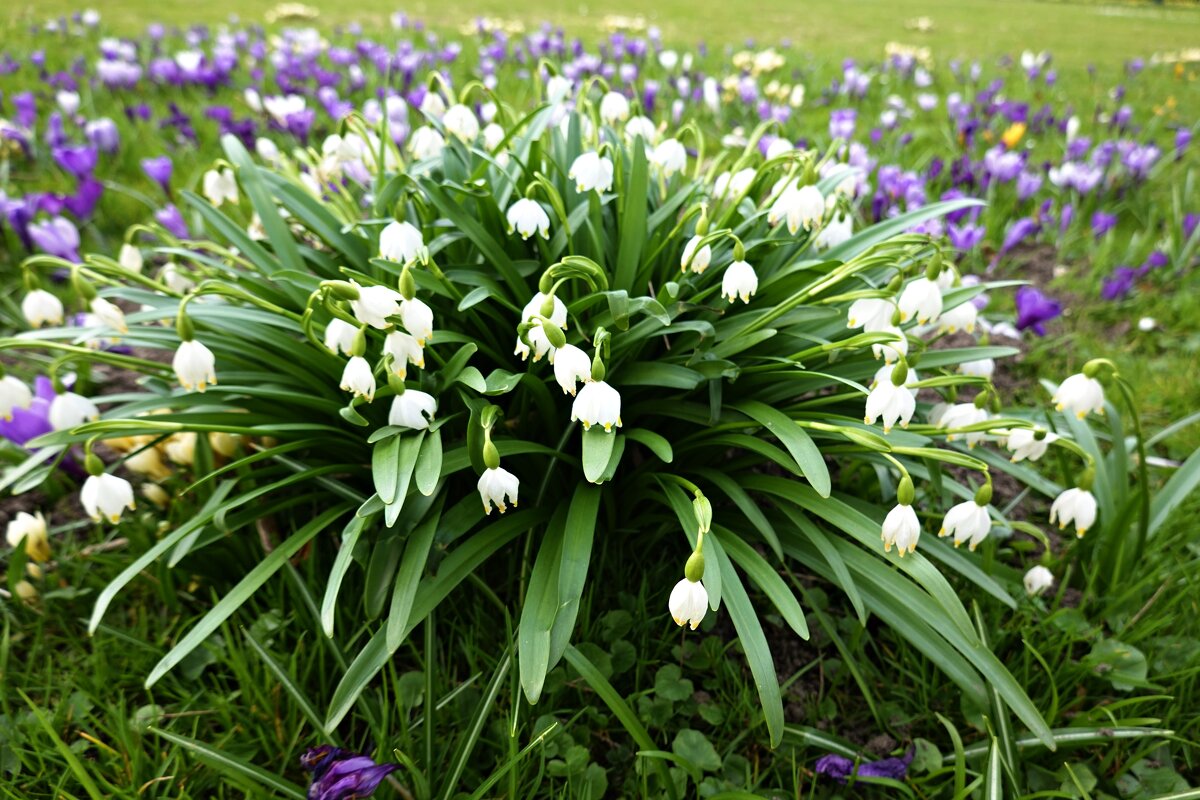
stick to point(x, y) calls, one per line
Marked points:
point(767, 580)
point(795, 439)
point(576, 558)
point(408, 577)
point(232, 765)
point(633, 217)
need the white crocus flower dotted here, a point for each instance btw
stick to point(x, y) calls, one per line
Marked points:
point(893, 350)
point(69, 410)
point(960, 415)
point(426, 143)
point(130, 258)
point(42, 308)
point(980, 368)
point(527, 217)
point(375, 304)
point(871, 314)
point(801, 208)
point(109, 314)
point(13, 394)
point(412, 409)
point(358, 378)
point(1076, 506)
point(1037, 580)
point(220, 187)
point(495, 485)
point(404, 350)
point(688, 603)
point(696, 260)
point(902, 529)
point(597, 404)
point(922, 300)
point(339, 336)
point(893, 403)
point(614, 107)
point(1080, 394)
point(960, 318)
point(739, 280)
point(31, 529)
point(417, 319)
point(401, 242)
point(461, 121)
point(195, 366)
point(670, 157)
point(1024, 443)
point(571, 365)
point(591, 172)
point(967, 522)
point(106, 496)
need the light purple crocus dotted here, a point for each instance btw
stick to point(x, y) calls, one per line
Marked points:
point(57, 236)
point(1035, 309)
point(77, 160)
point(842, 122)
point(158, 169)
point(170, 218)
point(966, 237)
point(103, 135)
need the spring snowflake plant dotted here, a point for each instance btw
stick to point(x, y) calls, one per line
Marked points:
point(424, 357)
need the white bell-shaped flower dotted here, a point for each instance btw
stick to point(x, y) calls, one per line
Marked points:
point(412, 409)
point(893, 350)
point(175, 279)
point(643, 127)
point(31, 529)
point(557, 89)
point(670, 157)
point(1080, 394)
point(496, 485)
point(426, 143)
point(961, 415)
point(340, 336)
point(358, 378)
point(891, 402)
point(539, 344)
point(375, 304)
point(837, 231)
point(614, 107)
point(109, 314)
point(417, 319)
point(220, 186)
point(571, 365)
point(695, 260)
point(69, 410)
point(106, 497)
point(1025, 444)
point(195, 366)
point(13, 394)
point(527, 217)
point(42, 308)
point(1037, 580)
point(597, 404)
point(802, 207)
point(404, 350)
point(688, 603)
point(739, 280)
point(432, 105)
point(400, 242)
point(130, 257)
point(902, 529)
point(534, 307)
point(960, 318)
point(461, 121)
point(920, 300)
point(591, 173)
point(967, 522)
point(1074, 506)
point(884, 373)
point(980, 367)
point(871, 314)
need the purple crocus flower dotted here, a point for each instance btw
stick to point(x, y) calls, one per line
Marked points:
point(1119, 284)
point(103, 134)
point(338, 774)
point(1102, 223)
point(1035, 309)
point(158, 169)
point(1190, 222)
point(1028, 184)
point(1017, 233)
point(78, 160)
point(170, 218)
point(57, 236)
point(30, 423)
point(86, 196)
point(1156, 260)
point(1183, 137)
point(966, 237)
point(842, 122)
point(841, 768)
point(25, 104)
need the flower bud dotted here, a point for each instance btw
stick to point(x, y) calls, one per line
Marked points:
point(739, 251)
point(905, 493)
point(491, 456)
point(983, 495)
point(358, 345)
point(900, 373)
point(935, 266)
point(554, 334)
point(183, 325)
point(598, 370)
point(343, 290)
point(702, 223)
point(93, 464)
point(693, 570)
point(703, 509)
point(408, 285)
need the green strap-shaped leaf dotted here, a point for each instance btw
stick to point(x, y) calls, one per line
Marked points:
point(633, 217)
point(341, 564)
point(795, 439)
point(408, 577)
point(766, 579)
point(573, 567)
point(597, 450)
point(278, 233)
point(539, 610)
point(232, 765)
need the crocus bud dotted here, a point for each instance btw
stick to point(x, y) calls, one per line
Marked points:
point(693, 570)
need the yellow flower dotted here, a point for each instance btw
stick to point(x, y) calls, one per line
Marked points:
point(1012, 136)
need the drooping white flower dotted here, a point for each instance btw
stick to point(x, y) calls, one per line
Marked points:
point(893, 403)
point(597, 404)
point(739, 280)
point(778, 147)
point(358, 378)
point(981, 368)
point(432, 105)
point(495, 485)
point(400, 242)
point(175, 279)
point(42, 308)
point(404, 350)
point(800, 208)
point(461, 121)
point(417, 319)
point(591, 172)
point(557, 89)
point(696, 260)
point(69, 410)
point(670, 157)
point(1080, 394)
point(571, 365)
point(1076, 506)
point(871, 314)
point(893, 350)
point(220, 187)
point(922, 300)
point(13, 394)
point(339, 336)
point(688, 603)
point(527, 217)
point(130, 257)
point(967, 522)
point(614, 107)
point(837, 231)
point(961, 415)
point(106, 497)
point(412, 409)
point(644, 127)
point(195, 365)
point(493, 135)
point(534, 307)
point(30, 528)
point(375, 304)
point(1037, 580)
point(539, 344)
point(425, 143)
point(109, 314)
point(1024, 443)
point(733, 185)
point(902, 529)
point(67, 101)
point(960, 318)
